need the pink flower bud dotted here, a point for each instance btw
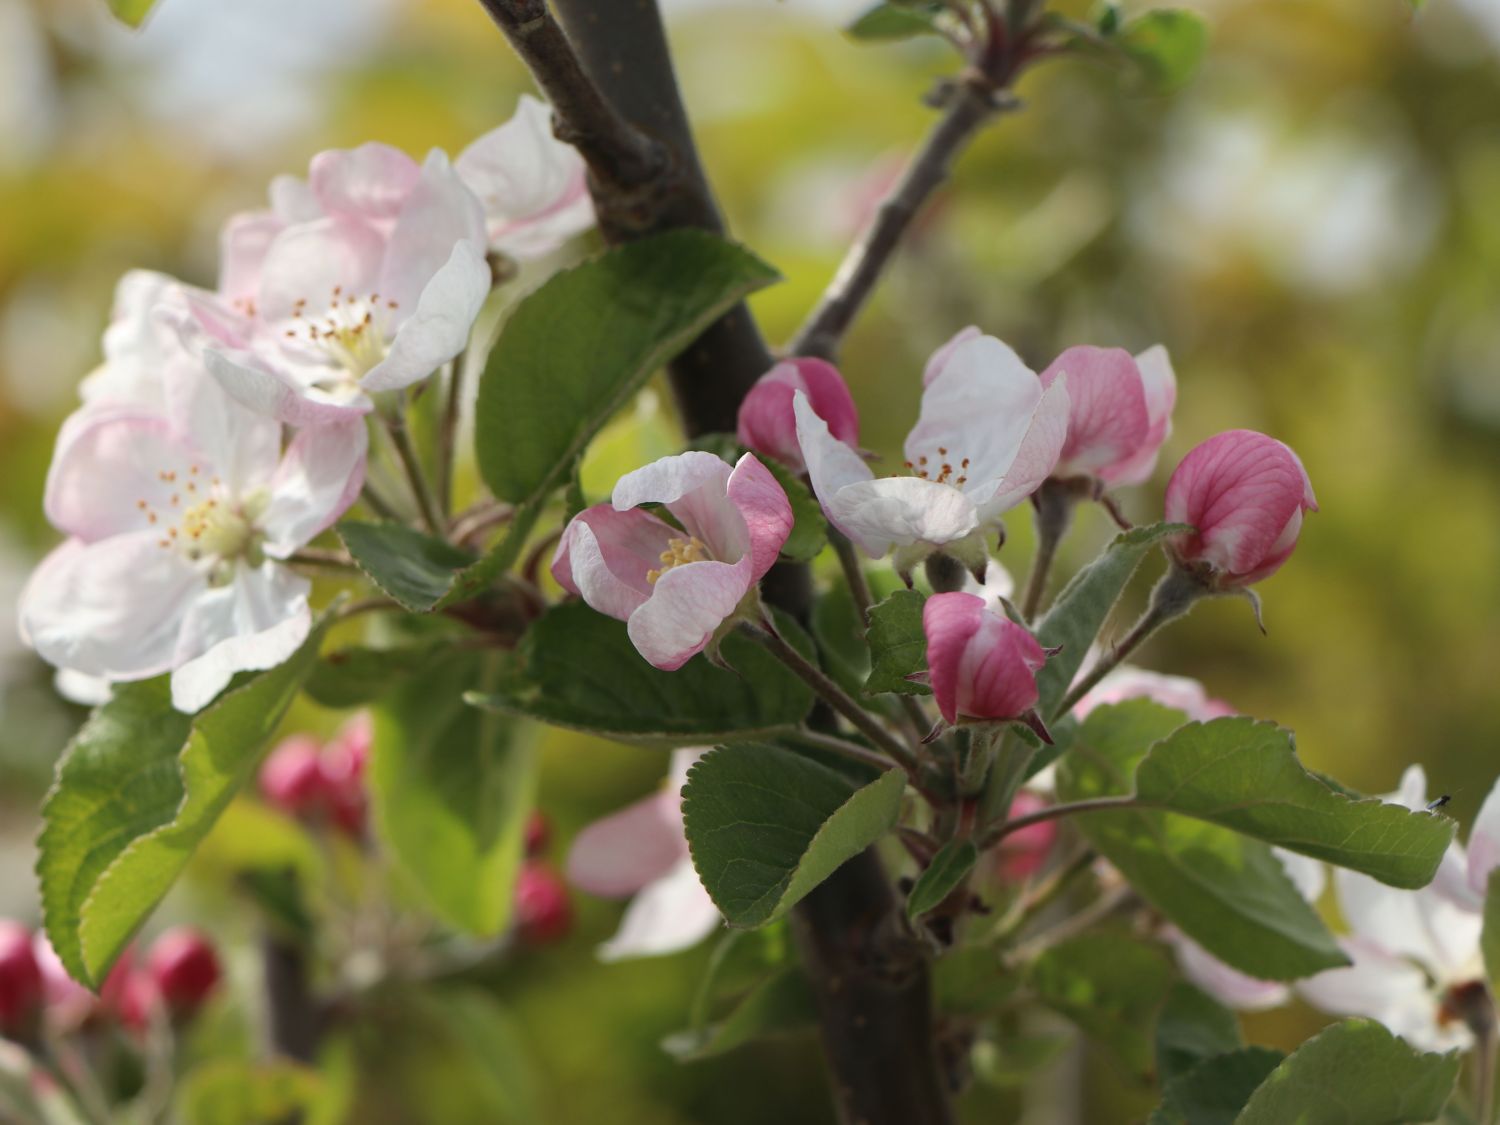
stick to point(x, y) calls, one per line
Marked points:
point(69, 1003)
point(982, 665)
point(1022, 853)
point(128, 993)
point(1244, 493)
point(544, 913)
point(538, 830)
point(20, 980)
point(767, 422)
point(1120, 412)
point(291, 779)
point(184, 969)
point(342, 765)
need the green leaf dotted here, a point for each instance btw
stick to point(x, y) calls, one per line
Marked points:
point(575, 350)
point(809, 533)
point(1227, 892)
point(1243, 774)
point(1215, 1090)
point(452, 786)
point(1167, 44)
point(235, 1092)
point(1016, 1060)
point(132, 13)
point(766, 826)
point(778, 1005)
point(898, 647)
point(579, 670)
point(886, 22)
point(352, 677)
point(1193, 1026)
point(1083, 606)
point(947, 870)
point(415, 569)
point(1354, 1071)
point(137, 789)
point(1489, 940)
point(1111, 987)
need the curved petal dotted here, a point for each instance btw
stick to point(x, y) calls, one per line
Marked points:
point(949, 622)
point(1034, 460)
point(1484, 843)
point(318, 478)
point(133, 345)
point(831, 465)
point(530, 184)
point(439, 327)
point(111, 609)
point(1108, 420)
point(1178, 692)
point(1423, 926)
point(1389, 989)
point(606, 557)
point(902, 511)
point(109, 473)
point(671, 914)
point(255, 622)
point(1159, 383)
point(1309, 875)
point(623, 852)
point(763, 505)
point(439, 214)
point(274, 393)
point(371, 181)
point(939, 359)
point(310, 266)
point(997, 674)
point(243, 244)
point(1227, 985)
point(687, 604)
point(694, 488)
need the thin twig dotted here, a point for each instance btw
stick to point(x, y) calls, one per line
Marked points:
point(426, 502)
point(377, 502)
point(1056, 812)
point(843, 747)
point(447, 452)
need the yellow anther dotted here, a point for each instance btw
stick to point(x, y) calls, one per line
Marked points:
point(679, 551)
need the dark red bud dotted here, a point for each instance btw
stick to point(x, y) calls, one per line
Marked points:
point(20, 981)
point(544, 914)
point(184, 969)
point(291, 779)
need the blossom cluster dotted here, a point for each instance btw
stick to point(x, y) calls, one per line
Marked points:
point(226, 428)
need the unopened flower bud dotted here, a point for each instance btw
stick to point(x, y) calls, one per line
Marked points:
point(184, 970)
point(544, 913)
point(1022, 853)
point(1244, 494)
point(981, 664)
point(1120, 412)
point(538, 830)
point(291, 779)
point(342, 765)
point(20, 981)
point(767, 422)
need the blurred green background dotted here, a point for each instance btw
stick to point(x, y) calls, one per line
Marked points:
point(1311, 227)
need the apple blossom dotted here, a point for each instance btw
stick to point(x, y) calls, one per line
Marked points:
point(543, 913)
point(767, 422)
point(174, 539)
point(1120, 412)
point(366, 278)
point(981, 664)
point(21, 988)
point(184, 969)
point(1415, 954)
point(675, 586)
point(989, 433)
point(531, 185)
point(314, 781)
point(1244, 495)
point(1178, 692)
point(641, 851)
point(1022, 853)
point(291, 778)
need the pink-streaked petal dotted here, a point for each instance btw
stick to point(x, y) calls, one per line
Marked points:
point(949, 622)
point(902, 511)
point(997, 673)
point(1244, 493)
point(320, 475)
point(530, 184)
point(308, 262)
point(1108, 420)
point(693, 487)
point(254, 623)
point(671, 914)
point(763, 505)
point(371, 181)
point(274, 393)
point(439, 214)
point(1178, 692)
point(939, 359)
point(605, 557)
point(107, 473)
point(1160, 386)
point(1034, 460)
point(687, 604)
point(623, 852)
point(111, 609)
point(767, 421)
point(439, 328)
point(243, 244)
point(978, 410)
point(1229, 986)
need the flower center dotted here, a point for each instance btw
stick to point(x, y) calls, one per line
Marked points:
point(679, 551)
point(202, 522)
point(940, 468)
point(350, 332)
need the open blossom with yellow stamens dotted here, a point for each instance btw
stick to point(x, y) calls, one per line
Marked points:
point(988, 434)
point(676, 585)
point(176, 519)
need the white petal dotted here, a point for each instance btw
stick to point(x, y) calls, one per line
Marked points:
point(109, 461)
point(1036, 457)
point(274, 393)
point(1421, 925)
point(902, 511)
point(1310, 875)
point(1227, 985)
point(671, 914)
point(254, 623)
point(1385, 988)
point(439, 328)
point(1484, 843)
point(438, 215)
point(318, 478)
point(307, 262)
point(85, 690)
point(112, 608)
point(628, 850)
point(686, 607)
